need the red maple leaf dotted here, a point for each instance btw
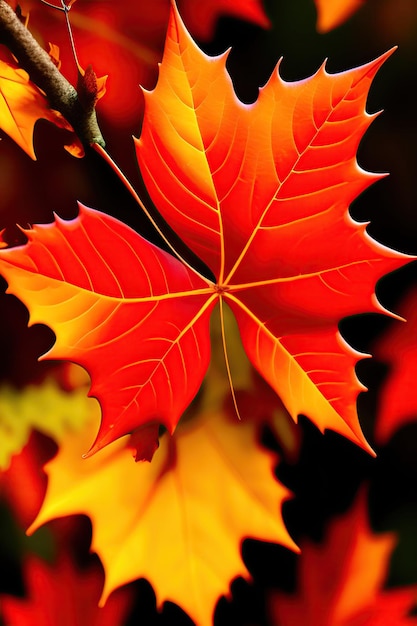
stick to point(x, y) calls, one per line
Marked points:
point(341, 582)
point(64, 594)
point(398, 349)
point(260, 193)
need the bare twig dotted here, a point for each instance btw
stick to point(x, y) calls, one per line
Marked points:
point(61, 95)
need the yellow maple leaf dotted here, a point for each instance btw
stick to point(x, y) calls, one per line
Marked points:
point(46, 408)
point(178, 521)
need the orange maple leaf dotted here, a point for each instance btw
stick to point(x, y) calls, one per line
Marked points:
point(332, 13)
point(340, 583)
point(64, 594)
point(22, 104)
point(180, 519)
point(260, 192)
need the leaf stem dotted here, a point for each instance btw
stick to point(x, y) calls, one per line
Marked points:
point(226, 358)
point(53, 6)
point(70, 35)
point(110, 161)
point(62, 96)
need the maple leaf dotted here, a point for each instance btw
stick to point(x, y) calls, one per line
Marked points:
point(260, 193)
point(64, 594)
point(180, 519)
point(398, 349)
point(264, 205)
point(340, 582)
point(332, 13)
point(22, 103)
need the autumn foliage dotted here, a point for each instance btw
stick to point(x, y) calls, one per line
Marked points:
point(197, 419)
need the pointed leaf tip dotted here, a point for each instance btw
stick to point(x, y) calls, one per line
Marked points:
point(306, 134)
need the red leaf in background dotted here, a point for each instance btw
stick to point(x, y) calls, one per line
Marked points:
point(124, 39)
point(201, 17)
point(260, 192)
point(340, 582)
point(23, 484)
point(65, 595)
point(398, 349)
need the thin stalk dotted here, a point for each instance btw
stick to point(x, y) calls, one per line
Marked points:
point(226, 358)
point(109, 160)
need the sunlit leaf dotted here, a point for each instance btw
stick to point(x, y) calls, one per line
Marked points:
point(180, 520)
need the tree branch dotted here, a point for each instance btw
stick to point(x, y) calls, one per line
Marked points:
point(62, 96)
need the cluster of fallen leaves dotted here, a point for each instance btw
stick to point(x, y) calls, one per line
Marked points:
point(260, 193)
